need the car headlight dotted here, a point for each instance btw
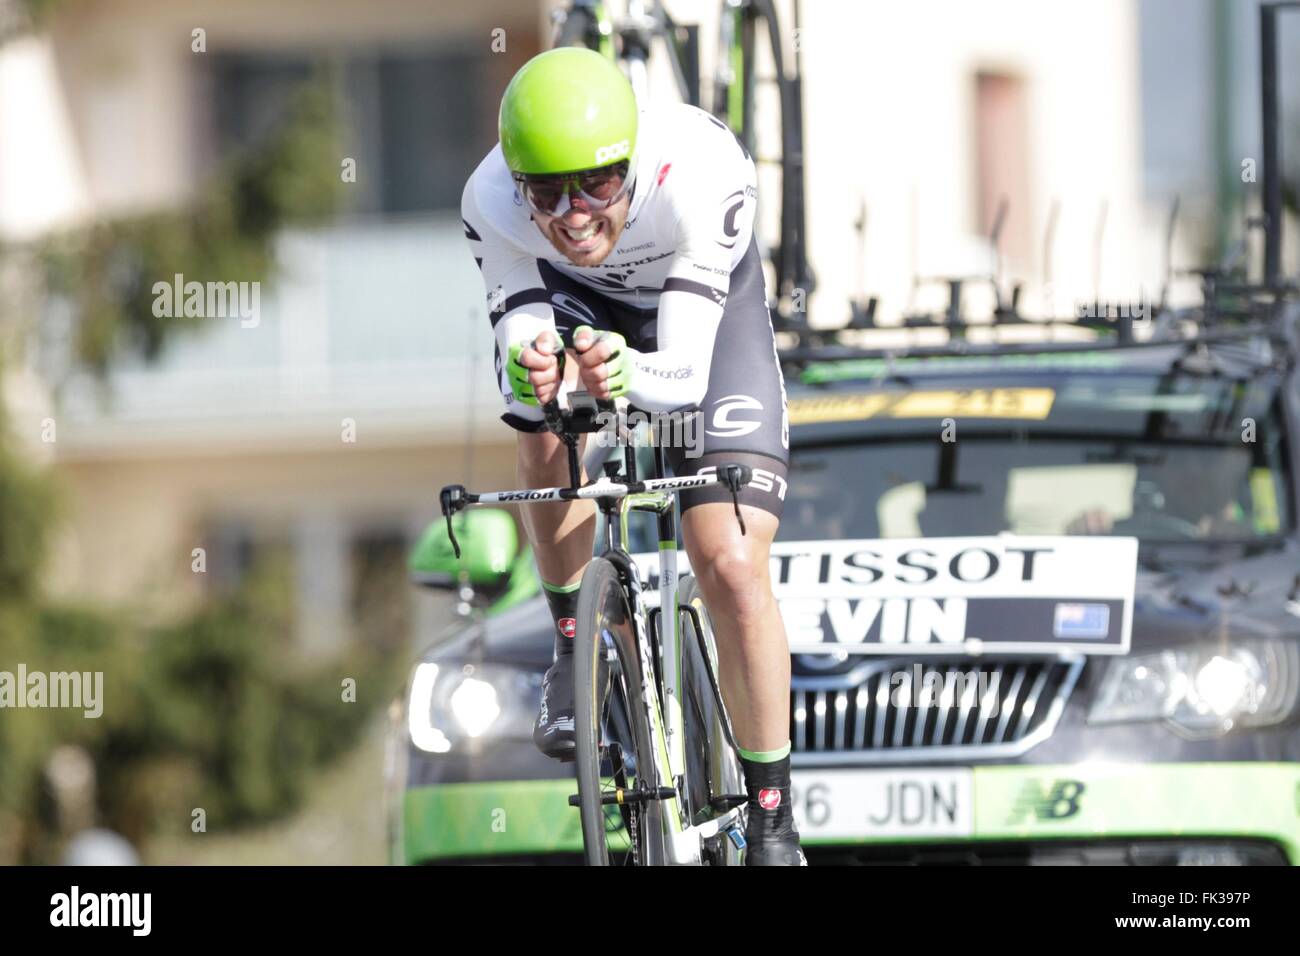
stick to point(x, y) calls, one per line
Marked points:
point(1202, 690)
point(455, 703)
point(475, 706)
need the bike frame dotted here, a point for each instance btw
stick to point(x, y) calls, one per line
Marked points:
point(681, 839)
point(641, 23)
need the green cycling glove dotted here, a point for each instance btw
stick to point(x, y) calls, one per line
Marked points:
point(619, 363)
point(520, 386)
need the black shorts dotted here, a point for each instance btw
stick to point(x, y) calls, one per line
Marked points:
point(743, 416)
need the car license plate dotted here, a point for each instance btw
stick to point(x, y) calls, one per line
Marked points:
point(830, 804)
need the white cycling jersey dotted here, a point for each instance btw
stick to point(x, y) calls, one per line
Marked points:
point(690, 224)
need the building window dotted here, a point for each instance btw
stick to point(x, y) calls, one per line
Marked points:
point(343, 581)
point(417, 121)
point(1002, 163)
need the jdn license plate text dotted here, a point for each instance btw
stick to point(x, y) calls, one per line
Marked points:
point(853, 803)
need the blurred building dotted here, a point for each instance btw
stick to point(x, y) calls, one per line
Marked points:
point(920, 120)
point(327, 429)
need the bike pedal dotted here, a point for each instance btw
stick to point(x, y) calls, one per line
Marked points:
point(727, 801)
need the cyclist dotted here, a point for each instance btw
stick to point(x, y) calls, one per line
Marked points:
point(624, 238)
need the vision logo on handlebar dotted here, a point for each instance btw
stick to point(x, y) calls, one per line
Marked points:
point(586, 414)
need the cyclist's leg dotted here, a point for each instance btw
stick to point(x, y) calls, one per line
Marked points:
point(743, 419)
point(754, 656)
point(561, 534)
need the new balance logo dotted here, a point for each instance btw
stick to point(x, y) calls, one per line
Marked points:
point(1058, 803)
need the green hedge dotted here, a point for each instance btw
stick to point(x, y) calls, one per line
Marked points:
point(214, 712)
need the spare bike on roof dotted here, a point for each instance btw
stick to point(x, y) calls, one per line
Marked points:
point(654, 744)
point(1240, 300)
point(743, 65)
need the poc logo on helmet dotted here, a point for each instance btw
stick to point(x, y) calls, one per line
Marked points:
point(607, 154)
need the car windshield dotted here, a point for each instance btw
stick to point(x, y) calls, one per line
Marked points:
point(1201, 460)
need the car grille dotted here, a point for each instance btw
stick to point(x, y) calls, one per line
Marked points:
point(875, 710)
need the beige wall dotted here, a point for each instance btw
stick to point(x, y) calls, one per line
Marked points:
point(129, 525)
point(892, 124)
point(106, 99)
point(113, 127)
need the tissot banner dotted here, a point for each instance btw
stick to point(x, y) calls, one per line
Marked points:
point(1000, 594)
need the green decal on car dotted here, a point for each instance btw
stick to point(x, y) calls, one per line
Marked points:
point(496, 818)
point(1096, 800)
point(818, 373)
point(1073, 801)
point(1058, 802)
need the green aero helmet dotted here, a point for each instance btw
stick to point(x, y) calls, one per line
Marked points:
point(567, 109)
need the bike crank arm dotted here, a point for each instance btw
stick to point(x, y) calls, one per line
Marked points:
point(720, 811)
point(728, 824)
point(728, 801)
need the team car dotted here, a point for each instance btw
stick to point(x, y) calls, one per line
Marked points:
point(1043, 605)
point(1042, 594)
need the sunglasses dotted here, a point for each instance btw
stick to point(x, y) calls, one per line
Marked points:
point(597, 189)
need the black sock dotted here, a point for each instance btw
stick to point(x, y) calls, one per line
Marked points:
point(564, 610)
point(768, 786)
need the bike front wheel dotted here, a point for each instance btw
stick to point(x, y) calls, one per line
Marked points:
point(614, 761)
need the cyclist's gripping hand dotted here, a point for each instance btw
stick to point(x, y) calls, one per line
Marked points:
point(536, 369)
point(604, 362)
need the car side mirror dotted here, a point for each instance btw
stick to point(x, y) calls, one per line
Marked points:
point(488, 542)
